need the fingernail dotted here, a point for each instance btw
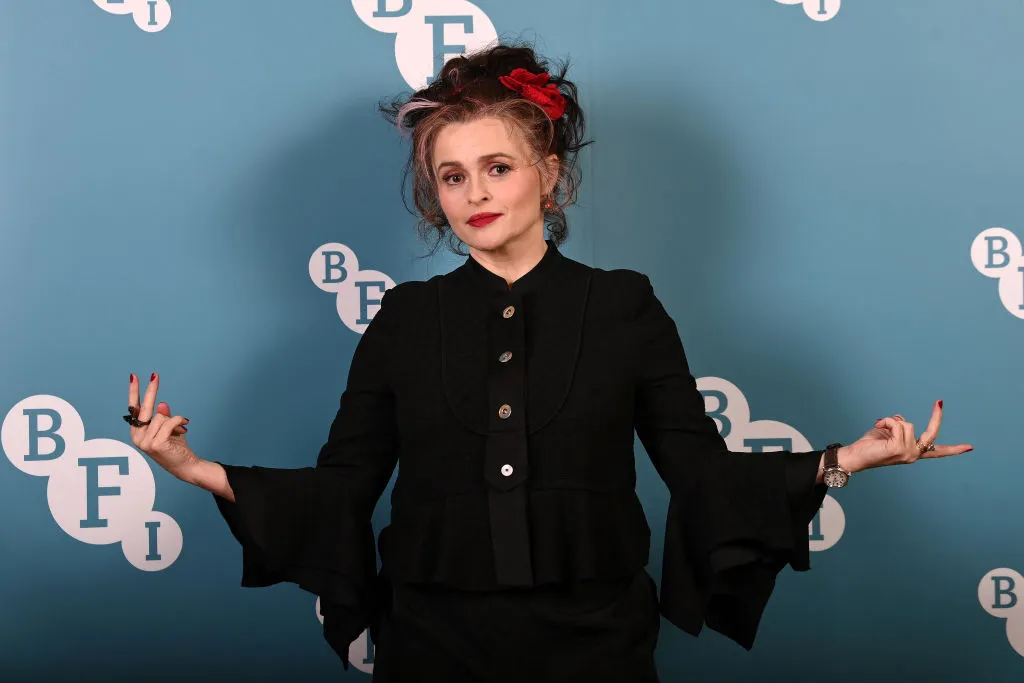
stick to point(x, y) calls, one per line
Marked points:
point(940, 404)
point(152, 377)
point(131, 378)
point(968, 450)
point(186, 421)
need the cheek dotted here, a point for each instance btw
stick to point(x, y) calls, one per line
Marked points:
point(446, 197)
point(523, 195)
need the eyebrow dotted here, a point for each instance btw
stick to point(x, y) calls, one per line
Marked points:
point(486, 157)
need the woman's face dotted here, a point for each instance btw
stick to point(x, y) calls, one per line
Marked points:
point(482, 170)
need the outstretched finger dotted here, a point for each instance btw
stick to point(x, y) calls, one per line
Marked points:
point(932, 430)
point(149, 400)
point(133, 390)
point(944, 451)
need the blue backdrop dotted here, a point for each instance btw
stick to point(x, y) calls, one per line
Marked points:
point(827, 199)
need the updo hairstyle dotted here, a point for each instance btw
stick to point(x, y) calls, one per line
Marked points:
point(468, 88)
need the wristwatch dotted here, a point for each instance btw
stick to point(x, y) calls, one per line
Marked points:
point(833, 475)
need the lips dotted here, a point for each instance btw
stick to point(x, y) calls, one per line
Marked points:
point(479, 220)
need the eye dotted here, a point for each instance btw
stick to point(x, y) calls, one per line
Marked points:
point(448, 178)
point(502, 166)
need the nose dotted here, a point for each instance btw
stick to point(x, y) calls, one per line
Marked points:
point(478, 192)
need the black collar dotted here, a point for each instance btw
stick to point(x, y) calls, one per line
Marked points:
point(529, 282)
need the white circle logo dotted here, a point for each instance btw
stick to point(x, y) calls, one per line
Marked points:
point(149, 15)
point(334, 268)
point(819, 10)
point(427, 32)
point(1001, 594)
point(99, 491)
point(828, 525)
point(996, 253)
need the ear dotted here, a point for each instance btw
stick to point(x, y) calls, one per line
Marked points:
point(550, 177)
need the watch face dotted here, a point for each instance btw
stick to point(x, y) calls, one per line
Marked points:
point(835, 478)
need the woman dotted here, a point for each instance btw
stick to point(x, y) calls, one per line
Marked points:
point(510, 390)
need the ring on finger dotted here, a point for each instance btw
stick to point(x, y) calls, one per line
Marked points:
point(132, 417)
point(925, 446)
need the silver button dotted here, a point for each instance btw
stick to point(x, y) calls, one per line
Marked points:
point(504, 358)
point(504, 411)
point(506, 470)
point(509, 311)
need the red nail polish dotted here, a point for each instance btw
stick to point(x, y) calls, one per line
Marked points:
point(940, 404)
point(152, 377)
point(131, 378)
point(968, 450)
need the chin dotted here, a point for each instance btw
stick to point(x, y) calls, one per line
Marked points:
point(485, 239)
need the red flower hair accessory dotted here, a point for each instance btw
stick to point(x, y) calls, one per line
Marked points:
point(535, 87)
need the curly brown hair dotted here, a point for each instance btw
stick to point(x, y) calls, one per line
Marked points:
point(467, 89)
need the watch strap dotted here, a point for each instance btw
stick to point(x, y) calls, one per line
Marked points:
point(832, 455)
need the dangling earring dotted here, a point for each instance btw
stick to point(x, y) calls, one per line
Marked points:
point(547, 204)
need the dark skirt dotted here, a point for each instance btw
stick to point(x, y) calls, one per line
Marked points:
point(590, 632)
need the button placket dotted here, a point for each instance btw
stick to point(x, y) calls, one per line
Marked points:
point(506, 463)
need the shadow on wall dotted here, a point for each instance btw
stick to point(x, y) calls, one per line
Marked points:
point(338, 179)
point(674, 200)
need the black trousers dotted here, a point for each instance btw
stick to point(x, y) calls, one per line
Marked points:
point(585, 632)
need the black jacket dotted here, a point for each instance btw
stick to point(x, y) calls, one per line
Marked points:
point(512, 411)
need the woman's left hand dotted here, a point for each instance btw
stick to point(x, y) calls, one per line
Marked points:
point(892, 442)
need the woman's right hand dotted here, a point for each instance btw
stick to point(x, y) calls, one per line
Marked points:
point(163, 438)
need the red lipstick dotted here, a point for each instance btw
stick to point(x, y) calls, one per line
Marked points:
point(479, 220)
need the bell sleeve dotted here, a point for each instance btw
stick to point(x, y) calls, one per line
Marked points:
point(735, 519)
point(312, 526)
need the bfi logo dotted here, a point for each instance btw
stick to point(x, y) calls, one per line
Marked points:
point(150, 15)
point(99, 491)
point(728, 407)
point(334, 268)
point(427, 32)
point(1001, 594)
point(819, 10)
point(996, 253)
